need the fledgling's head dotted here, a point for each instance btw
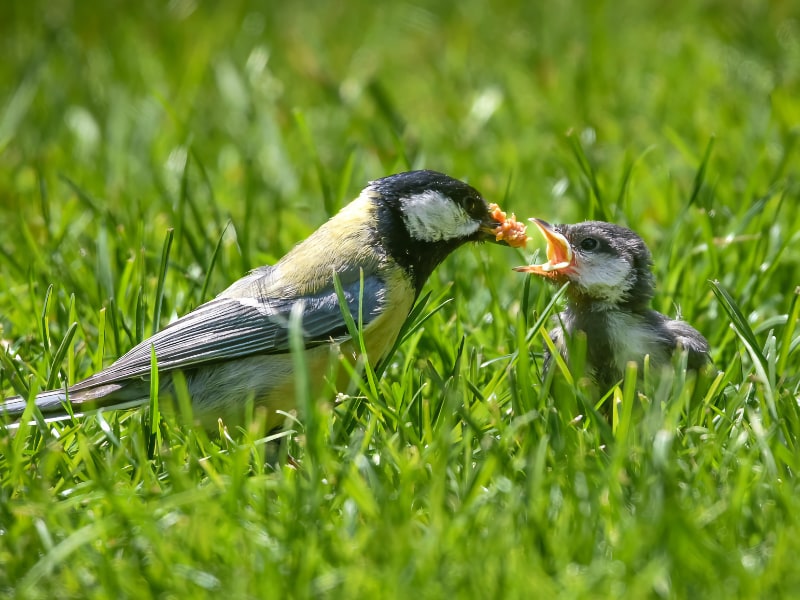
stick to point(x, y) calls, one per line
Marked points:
point(608, 266)
point(422, 216)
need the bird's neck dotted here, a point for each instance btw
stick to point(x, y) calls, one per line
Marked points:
point(581, 304)
point(418, 262)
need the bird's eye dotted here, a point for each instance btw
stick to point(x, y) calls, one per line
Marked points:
point(589, 244)
point(474, 205)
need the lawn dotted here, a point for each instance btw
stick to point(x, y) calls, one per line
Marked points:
point(152, 153)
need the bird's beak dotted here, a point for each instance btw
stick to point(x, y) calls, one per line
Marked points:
point(499, 228)
point(559, 252)
point(488, 230)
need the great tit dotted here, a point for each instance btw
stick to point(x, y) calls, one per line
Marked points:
point(611, 284)
point(382, 246)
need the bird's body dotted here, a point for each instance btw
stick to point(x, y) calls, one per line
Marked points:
point(382, 247)
point(615, 338)
point(611, 286)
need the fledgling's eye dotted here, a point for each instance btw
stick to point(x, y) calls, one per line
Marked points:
point(589, 244)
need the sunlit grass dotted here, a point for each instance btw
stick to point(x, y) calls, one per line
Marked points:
point(152, 154)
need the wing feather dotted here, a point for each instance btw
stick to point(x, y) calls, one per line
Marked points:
point(234, 327)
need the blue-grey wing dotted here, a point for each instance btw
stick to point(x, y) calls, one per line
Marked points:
point(227, 328)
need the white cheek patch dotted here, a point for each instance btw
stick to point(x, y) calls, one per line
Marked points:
point(604, 279)
point(433, 217)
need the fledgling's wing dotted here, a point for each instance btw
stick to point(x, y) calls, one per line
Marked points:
point(226, 329)
point(688, 338)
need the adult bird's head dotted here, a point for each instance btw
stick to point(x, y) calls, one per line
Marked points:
point(608, 266)
point(422, 216)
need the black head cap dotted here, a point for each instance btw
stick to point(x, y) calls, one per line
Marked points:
point(424, 215)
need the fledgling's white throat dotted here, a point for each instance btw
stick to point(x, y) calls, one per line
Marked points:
point(432, 217)
point(603, 279)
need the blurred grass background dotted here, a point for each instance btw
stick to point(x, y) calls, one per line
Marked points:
point(244, 125)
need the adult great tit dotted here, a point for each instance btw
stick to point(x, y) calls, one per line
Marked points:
point(236, 346)
point(611, 282)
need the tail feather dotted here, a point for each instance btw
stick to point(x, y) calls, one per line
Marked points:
point(53, 403)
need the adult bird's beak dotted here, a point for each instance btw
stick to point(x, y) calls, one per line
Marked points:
point(559, 252)
point(496, 226)
point(488, 230)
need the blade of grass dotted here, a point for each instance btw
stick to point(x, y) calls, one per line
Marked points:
point(700, 176)
point(58, 357)
point(153, 430)
point(623, 422)
point(745, 333)
point(100, 345)
point(59, 554)
point(788, 331)
point(413, 323)
point(73, 318)
point(44, 327)
point(305, 134)
point(597, 209)
point(162, 276)
point(393, 118)
point(213, 262)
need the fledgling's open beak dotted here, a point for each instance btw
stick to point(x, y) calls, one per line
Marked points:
point(559, 252)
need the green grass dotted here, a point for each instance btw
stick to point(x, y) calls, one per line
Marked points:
point(151, 153)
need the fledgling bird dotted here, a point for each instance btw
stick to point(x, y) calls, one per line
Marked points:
point(237, 345)
point(611, 285)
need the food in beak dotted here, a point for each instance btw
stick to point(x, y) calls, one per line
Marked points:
point(508, 230)
point(559, 252)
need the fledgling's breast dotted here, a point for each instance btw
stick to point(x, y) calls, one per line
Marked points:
point(631, 339)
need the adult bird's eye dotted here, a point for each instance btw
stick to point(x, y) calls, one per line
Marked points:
point(474, 205)
point(589, 244)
